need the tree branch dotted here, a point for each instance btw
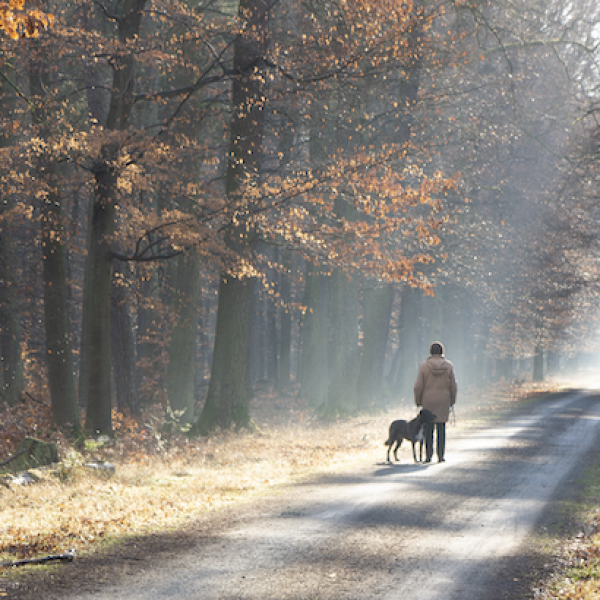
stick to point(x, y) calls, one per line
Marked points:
point(68, 557)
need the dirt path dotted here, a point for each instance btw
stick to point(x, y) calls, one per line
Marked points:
point(455, 530)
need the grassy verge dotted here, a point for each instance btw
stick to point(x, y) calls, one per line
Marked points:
point(577, 575)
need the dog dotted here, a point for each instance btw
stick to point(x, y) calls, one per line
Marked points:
point(409, 430)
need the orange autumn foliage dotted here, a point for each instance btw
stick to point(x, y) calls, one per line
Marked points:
point(18, 22)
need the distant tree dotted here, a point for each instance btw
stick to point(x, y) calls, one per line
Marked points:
point(53, 241)
point(10, 327)
point(182, 350)
point(11, 374)
point(377, 312)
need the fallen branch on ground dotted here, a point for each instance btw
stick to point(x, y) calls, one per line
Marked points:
point(68, 556)
point(13, 457)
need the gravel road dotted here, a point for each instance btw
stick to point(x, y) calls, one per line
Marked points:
point(454, 530)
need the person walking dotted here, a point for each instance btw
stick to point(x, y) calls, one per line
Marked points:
point(435, 390)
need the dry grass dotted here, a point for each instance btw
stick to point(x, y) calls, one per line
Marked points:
point(578, 574)
point(75, 507)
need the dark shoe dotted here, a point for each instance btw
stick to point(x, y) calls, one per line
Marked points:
point(442, 460)
point(427, 460)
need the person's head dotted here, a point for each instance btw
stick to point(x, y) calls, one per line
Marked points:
point(436, 349)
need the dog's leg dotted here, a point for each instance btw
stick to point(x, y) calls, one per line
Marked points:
point(418, 438)
point(398, 444)
point(414, 452)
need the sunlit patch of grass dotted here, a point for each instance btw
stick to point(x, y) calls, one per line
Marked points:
point(585, 572)
point(575, 590)
point(578, 576)
point(81, 509)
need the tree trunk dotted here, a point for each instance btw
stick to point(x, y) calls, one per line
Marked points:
point(480, 360)
point(96, 344)
point(285, 318)
point(314, 361)
point(147, 321)
point(342, 393)
point(56, 321)
point(11, 370)
point(11, 375)
point(58, 344)
point(258, 342)
point(538, 362)
point(123, 345)
point(229, 392)
point(410, 317)
point(377, 312)
point(96, 308)
point(182, 351)
point(272, 338)
point(434, 307)
point(553, 363)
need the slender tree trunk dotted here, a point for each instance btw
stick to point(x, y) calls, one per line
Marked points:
point(182, 351)
point(410, 316)
point(272, 338)
point(538, 362)
point(553, 366)
point(457, 320)
point(203, 343)
point(342, 393)
point(123, 345)
point(147, 317)
point(434, 307)
point(11, 368)
point(285, 317)
point(229, 392)
point(377, 312)
point(314, 361)
point(481, 357)
point(258, 342)
point(11, 375)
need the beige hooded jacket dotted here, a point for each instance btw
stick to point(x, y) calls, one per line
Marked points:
point(435, 387)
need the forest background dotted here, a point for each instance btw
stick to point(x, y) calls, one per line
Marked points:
point(197, 198)
point(204, 200)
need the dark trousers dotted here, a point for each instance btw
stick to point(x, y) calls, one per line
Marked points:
point(440, 439)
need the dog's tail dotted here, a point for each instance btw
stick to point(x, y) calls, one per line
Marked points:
point(390, 439)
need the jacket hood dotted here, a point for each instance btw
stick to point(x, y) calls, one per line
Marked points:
point(439, 365)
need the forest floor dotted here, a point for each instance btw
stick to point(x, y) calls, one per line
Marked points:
point(167, 483)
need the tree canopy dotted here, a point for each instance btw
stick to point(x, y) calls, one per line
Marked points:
point(236, 186)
